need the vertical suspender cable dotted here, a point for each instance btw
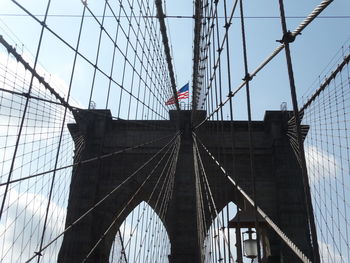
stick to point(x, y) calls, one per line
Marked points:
point(309, 209)
point(24, 110)
point(251, 147)
point(60, 139)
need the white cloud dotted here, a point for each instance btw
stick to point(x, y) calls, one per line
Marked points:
point(18, 78)
point(329, 255)
point(21, 230)
point(23, 218)
point(320, 164)
point(43, 121)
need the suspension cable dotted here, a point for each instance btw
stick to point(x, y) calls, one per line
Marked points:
point(307, 195)
point(93, 159)
point(172, 148)
point(293, 34)
point(160, 15)
point(206, 183)
point(102, 200)
point(278, 231)
point(250, 132)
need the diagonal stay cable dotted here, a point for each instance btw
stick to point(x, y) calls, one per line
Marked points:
point(141, 217)
point(102, 199)
point(198, 156)
point(84, 57)
point(93, 159)
point(163, 189)
point(173, 160)
point(278, 231)
point(300, 141)
point(131, 199)
point(200, 208)
point(160, 204)
point(293, 35)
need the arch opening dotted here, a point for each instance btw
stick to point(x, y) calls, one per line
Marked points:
point(222, 240)
point(219, 240)
point(142, 237)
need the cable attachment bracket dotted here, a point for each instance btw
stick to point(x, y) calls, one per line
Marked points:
point(247, 77)
point(288, 37)
point(227, 25)
point(38, 253)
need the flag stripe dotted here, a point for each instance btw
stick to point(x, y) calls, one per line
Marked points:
point(182, 93)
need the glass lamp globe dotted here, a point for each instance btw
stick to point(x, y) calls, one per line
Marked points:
point(250, 247)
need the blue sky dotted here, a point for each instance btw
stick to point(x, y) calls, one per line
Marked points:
point(310, 52)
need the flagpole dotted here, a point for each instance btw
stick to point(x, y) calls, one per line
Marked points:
point(188, 99)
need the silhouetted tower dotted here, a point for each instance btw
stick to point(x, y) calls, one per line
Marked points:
point(278, 181)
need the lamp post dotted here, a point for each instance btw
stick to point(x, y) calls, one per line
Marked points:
point(246, 219)
point(250, 245)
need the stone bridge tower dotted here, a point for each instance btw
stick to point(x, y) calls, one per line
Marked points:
point(278, 181)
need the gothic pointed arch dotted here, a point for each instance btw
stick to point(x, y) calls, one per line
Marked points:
point(141, 237)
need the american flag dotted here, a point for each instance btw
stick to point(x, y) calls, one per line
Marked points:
point(181, 94)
